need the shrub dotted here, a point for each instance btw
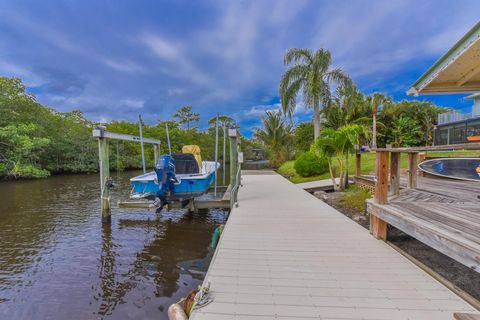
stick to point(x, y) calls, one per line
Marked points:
point(309, 164)
point(28, 171)
point(303, 137)
point(355, 198)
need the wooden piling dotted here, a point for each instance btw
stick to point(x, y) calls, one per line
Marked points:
point(232, 134)
point(412, 170)
point(421, 157)
point(378, 227)
point(358, 164)
point(395, 173)
point(104, 176)
point(102, 135)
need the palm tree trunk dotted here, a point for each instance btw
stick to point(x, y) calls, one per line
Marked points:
point(316, 120)
point(342, 175)
point(346, 170)
point(374, 130)
point(332, 175)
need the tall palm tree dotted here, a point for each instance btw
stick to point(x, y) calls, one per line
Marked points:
point(376, 100)
point(309, 73)
point(277, 136)
point(347, 107)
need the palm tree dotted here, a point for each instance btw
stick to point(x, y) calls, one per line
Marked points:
point(347, 107)
point(309, 73)
point(405, 132)
point(339, 143)
point(277, 136)
point(376, 100)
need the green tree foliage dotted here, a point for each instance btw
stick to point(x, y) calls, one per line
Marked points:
point(20, 151)
point(277, 136)
point(419, 119)
point(310, 75)
point(36, 140)
point(349, 106)
point(309, 164)
point(185, 115)
point(303, 137)
point(222, 121)
point(339, 144)
point(375, 101)
point(70, 147)
point(405, 132)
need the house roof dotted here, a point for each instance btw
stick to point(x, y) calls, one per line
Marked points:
point(473, 96)
point(457, 71)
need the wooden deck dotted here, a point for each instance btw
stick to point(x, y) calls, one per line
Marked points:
point(442, 213)
point(317, 185)
point(284, 254)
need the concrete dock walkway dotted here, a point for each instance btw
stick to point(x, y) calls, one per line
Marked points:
point(286, 255)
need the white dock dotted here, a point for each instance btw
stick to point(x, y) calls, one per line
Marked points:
point(284, 254)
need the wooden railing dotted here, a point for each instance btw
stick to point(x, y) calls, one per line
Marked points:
point(387, 173)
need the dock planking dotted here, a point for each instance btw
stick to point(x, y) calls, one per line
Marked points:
point(285, 254)
point(442, 213)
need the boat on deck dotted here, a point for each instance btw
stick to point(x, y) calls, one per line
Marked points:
point(176, 177)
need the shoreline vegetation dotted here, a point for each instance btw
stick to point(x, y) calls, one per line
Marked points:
point(37, 141)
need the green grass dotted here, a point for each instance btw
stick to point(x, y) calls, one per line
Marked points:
point(355, 198)
point(368, 165)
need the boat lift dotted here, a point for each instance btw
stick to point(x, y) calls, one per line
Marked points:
point(228, 200)
point(101, 133)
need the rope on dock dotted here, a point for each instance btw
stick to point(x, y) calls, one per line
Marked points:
point(202, 298)
point(196, 299)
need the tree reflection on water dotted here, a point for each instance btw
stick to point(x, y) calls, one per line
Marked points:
point(177, 247)
point(57, 260)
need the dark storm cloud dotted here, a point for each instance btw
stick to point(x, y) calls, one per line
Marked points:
point(114, 60)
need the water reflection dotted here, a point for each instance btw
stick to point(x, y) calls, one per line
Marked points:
point(58, 261)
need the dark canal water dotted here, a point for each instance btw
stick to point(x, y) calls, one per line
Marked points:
point(57, 261)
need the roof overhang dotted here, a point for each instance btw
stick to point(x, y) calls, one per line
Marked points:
point(457, 71)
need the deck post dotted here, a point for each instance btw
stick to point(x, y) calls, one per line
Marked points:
point(421, 157)
point(156, 153)
point(378, 227)
point(232, 134)
point(104, 176)
point(395, 173)
point(412, 170)
point(358, 164)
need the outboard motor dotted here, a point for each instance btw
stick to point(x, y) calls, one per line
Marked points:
point(165, 170)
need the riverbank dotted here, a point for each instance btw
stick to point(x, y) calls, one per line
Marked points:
point(352, 204)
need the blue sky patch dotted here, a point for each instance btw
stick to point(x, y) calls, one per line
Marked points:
point(116, 59)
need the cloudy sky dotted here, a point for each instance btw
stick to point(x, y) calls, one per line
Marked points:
point(116, 59)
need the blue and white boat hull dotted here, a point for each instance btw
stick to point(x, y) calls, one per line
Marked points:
point(187, 185)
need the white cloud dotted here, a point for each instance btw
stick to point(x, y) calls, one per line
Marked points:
point(260, 110)
point(161, 47)
point(132, 103)
point(227, 58)
point(10, 69)
point(124, 66)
